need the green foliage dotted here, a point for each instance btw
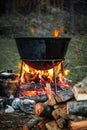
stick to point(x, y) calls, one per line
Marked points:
point(77, 57)
point(9, 57)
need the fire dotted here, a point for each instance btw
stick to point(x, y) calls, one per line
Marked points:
point(66, 72)
point(32, 30)
point(31, 75)
point(43, 75)
point(57, 32)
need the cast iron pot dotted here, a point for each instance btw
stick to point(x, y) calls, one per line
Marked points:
point(42, 52)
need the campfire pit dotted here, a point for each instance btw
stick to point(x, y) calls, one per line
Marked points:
point(40, 55)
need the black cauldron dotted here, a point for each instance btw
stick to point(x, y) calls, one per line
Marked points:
point(42, 52)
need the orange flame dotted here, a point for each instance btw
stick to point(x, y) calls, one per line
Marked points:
point(66, 72)
point(57, 32)
point(60, 73)
point(32, 30)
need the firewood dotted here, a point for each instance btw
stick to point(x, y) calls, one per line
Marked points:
point(77, 108)
point(58, 99)
point(76, 117)
point(52, 101)
point(48, 90)
point(35, 78)
point(42, 109)
point(80, 90)
point(25, 127)
point(55, 106)
point(33, 121)
point(64, 95)
point(42, 123)
point(61, 123)
point(78, 125)
point(29, 77)
point(80, 93)
point(55, 114)
point(52, 125)
point(37, 99)
point(60, 112)
point(38, 108)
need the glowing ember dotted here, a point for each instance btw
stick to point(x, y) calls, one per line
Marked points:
point(31, 75)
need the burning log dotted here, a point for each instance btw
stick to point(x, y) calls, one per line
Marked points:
point(27, 77)
point(45, 79)
point(78, 125)
point(35, 78)
point(31, 77)
point(64, 95)
point(77, 108)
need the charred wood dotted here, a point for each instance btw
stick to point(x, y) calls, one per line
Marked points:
point(39, 98)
